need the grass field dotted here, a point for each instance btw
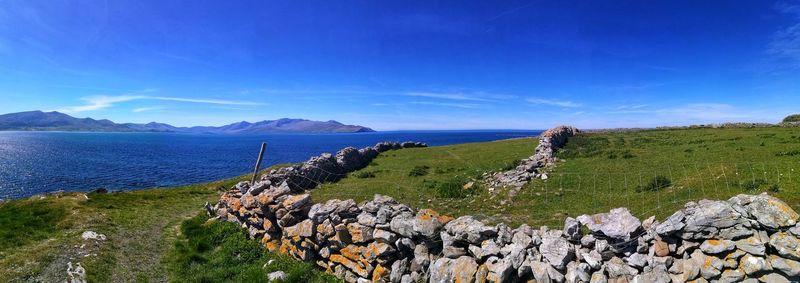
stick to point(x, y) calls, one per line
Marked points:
point(145, 242)
point(157, 235)
point(651, 172)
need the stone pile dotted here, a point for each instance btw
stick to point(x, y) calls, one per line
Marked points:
point(748, 238)
point(325, 167)
point(531, 168)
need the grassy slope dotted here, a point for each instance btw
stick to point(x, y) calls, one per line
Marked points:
point(464, 161)
point(701, 163)
point(41, 234)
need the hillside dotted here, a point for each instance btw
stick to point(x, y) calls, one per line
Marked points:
point(55, 121)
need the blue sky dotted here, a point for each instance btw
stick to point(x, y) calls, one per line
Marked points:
point(405, 64)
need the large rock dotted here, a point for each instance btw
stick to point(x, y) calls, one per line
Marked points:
point(713, 246)
point(789, 267)
point(469, 230)
point(769, 211)
point(787, 245)
point(557, 250)
point(461, 269)
point(403, 224)
point(708, 219)
point(428, 223)
point(618, 224)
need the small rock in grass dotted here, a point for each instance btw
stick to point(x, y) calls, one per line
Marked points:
point(276, 276)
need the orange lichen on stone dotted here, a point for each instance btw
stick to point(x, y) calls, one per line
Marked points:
point(379, 273)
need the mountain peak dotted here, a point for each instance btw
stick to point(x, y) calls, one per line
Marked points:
point(56, 121)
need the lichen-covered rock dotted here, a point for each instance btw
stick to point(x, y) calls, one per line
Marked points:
point(788, 267)
point(403, 224)
point(428, 223)
point(706, 219)
point(769, 211)
point(752, 245)
point(753, 265)
point(617, 224)
point(713, 246)
point(467, 229)
point(787, 245)
point(297, 201)
point(461, 269)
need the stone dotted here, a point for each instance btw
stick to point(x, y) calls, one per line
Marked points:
point(752, 245)
point(428, 223)
point(732, 276)
point(522, 236)
point(577, 272)
point(588, 241)
point(500, 270)
point(466, 228)
point(461, 269)
point(359, 233)
point(376, 250)
point(296, 201)
point(637, 260)
point(76, 274)
point(672, 224)
point(661, 248)
point(598, 277)
point(593, 258)
point(752, 264)
point(656, 275)
point(705, 219)
point(713, 246)
point(774, 278)
point(399, 268)
point(615, 268)
point(557, 250)
point(403, 224)
point(710, 266)
point(617, 224)
point(384, 236)
point(572, 229)
point(788, 267)
point(769, 211)
point(91, 235)
point(786, 245)
point(421, 256)
point(542, 271)
point(243, 186)
point(276, 276)
point(366, 219)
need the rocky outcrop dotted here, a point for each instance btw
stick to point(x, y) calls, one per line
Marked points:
point(532, 167)
point(748, 237)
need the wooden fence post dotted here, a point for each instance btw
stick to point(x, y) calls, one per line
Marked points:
point(258, 163)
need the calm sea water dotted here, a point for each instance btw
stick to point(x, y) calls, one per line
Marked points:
point(39, 162)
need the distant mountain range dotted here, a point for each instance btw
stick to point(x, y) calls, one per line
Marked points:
point(56, 121)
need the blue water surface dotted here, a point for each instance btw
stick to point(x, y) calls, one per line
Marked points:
point(40, 162)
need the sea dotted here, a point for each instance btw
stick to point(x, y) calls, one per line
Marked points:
point(33, 163)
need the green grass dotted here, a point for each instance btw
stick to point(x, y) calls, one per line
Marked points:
point(601, 171)
point(447, 169)
point(42, 233)
point(215, 251)
point(24, 222)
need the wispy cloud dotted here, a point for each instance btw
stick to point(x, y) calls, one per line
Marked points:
point(445, 104)
point(104, 101)
point(146, 109)
point(631, 107)
point(448, 96)
point(711, 112)
point(785, 45)
point(552, 102)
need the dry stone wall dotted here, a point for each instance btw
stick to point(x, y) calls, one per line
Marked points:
point(748, 238)
point(531, 168)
